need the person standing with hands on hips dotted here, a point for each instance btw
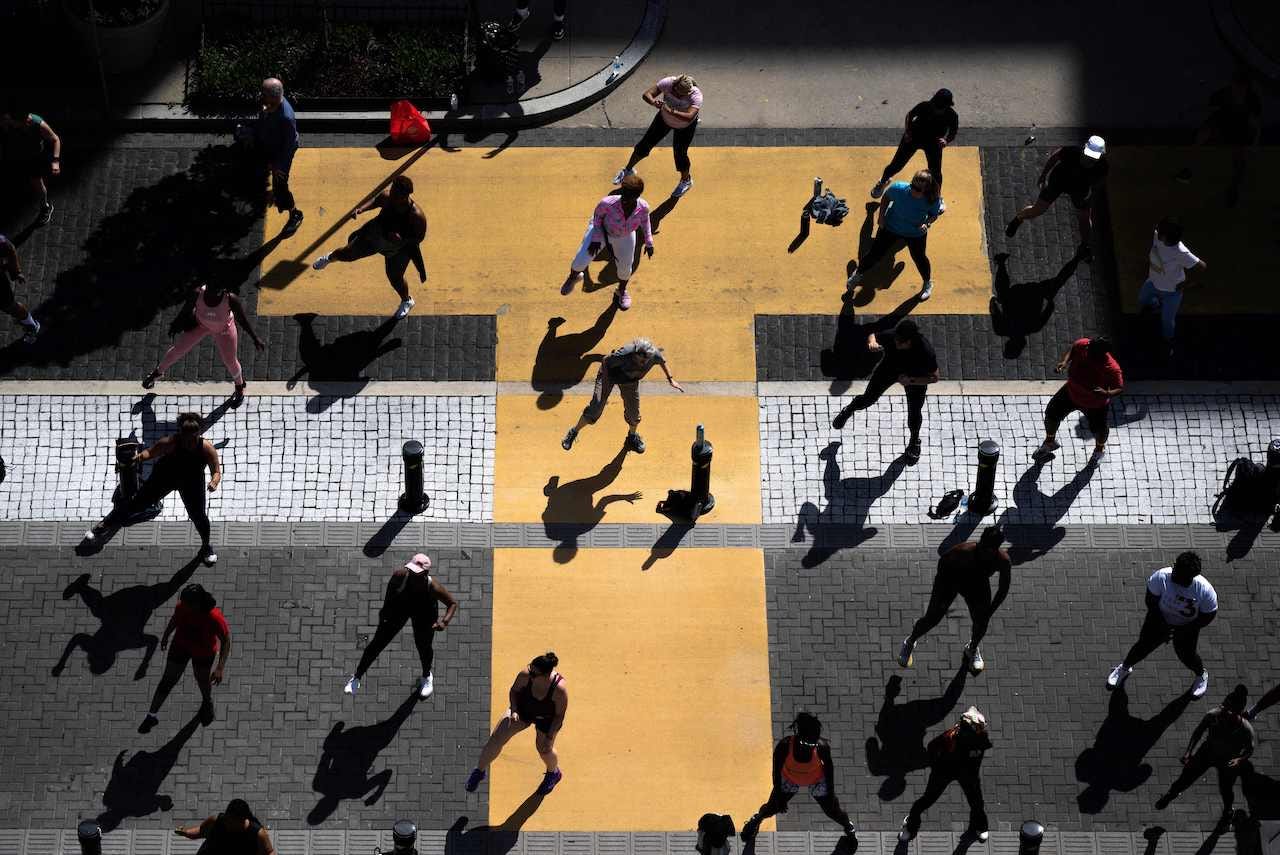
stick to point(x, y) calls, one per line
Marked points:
point(678, 101)
point(930, 127)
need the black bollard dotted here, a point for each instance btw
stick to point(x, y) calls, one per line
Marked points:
point(90, 836)
point(982, 500)
point(413, 500)
point(404, 835)
point(700, 482)
point(1029, 838)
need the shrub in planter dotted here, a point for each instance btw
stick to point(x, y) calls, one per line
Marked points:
point(125, 32)
point(116, 13)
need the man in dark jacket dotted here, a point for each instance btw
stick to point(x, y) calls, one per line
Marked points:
point(930, 127)
point(276, 135)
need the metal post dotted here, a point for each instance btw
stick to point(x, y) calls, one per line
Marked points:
point(404, 837)
point(817, 187)
point(1029, 838)
point(982, 500)
point(700, 483)
point(413, 500)
point(90, 836)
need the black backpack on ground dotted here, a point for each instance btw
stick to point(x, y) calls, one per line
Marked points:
point(1249, 489)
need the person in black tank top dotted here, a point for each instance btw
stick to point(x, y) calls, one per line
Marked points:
point(180, 463)
point(235, 831)
point(537, 697)
point(412, 595)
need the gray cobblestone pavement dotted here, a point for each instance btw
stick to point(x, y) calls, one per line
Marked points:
point(286, 458)
point(1164, 464)
point(286, 738)
point(1066, 752)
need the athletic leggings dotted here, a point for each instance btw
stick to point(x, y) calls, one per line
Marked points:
point(885, 241)
point(227, 341)
point(389, 628)
point(878, 384)
point(977, 596)
point(680, 140)
point(939, 778)
point(1061, 405)
point(162, 482)
point(1201, 762)
point(779, 799)
point(1155, 632)
point(906, 148)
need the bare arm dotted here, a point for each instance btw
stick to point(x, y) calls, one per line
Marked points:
point(513, 694)
point(650, 96)
point(1064, 361)
point(688, 115)
point(670, 379)
point(224, 653)
point(215, 465)
point(195, 832)
point(1265, 701)
point(562, 706)
point(55, 145)
point(237, 309)
point(1049, 164)
point(451, 605)
point(265, 846)
point(161, 448)
point(376, 202)
point(1195, 736)
point(1002, 589)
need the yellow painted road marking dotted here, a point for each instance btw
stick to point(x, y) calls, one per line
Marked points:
point(668, 678)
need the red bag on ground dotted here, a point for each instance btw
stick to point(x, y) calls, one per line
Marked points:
point(408, 125)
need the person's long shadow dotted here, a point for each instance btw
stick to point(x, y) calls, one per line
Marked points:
point(658, 214)
point(336, 369)
point(573, 510)
point(848, 357)
point(884, 274)
point(669, 541)
point(901, 729)
point(347, 758)
point(144, 258)
point(386, 535)
point(1030, 520)
point(124, 615)
point(1115, 760)
point(1021, 310)
point(840, 525)
point(1121, 412)
point(563, 360)
point(491, 839)
point(1261, 792)
point(134, 788)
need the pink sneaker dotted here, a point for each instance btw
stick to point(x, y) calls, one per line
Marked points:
point(623, 300)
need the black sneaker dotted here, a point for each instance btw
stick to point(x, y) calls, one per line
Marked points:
point(912, 454)
point(46, 214)
point(208, 556)
point(1012, 229)
point(635, 443)
point(295, 220)
point(569, 437)
point(842, 418)
point(206, 713)
point(149, 722)
point(557, 30)
point(76, 587)
point(750, 829)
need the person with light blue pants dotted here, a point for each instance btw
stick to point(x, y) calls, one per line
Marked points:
point(1170, 262)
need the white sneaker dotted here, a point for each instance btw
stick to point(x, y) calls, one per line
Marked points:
point(426, 686)
point(353, 685)
point(621, 174)
point(983, 835)
point(904, 653)
point(1201, 685)
point(683, 187)
point(974, 655)
point(320, 263)
point(1118, 675)
point(209, 557)
point(926, 291)
point(405, 306)
point(854, 280)
point(1045, 449)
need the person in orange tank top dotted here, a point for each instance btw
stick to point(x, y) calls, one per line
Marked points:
point(801, 760)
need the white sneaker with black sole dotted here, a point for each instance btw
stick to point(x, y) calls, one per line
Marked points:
point(1117, 676)
point(426, 685)
point(353, 685)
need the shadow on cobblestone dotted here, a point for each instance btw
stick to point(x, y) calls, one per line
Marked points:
point(1115, 761)
point(840, 525)
point(848, 357)
point(563, 360)
point(1023, 309)
point(134, 788)
point(336, 369)
point(349, 755)
point(572, 509)
point(901, 728)
point(491, 839)
point(145, 257)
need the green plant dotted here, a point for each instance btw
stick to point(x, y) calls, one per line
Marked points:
point(116, 13)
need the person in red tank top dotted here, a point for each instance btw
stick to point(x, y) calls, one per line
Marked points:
point(1093, 379)
point(199, 632)
point(801, 760)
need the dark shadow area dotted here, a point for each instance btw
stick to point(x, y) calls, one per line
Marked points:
point(573, 510)
point(386, 535)
point(153, 429)
point(1121, 412)
point(1261, 793)
point(658, 214)
point(668, 542)
point(124, 615)
point(1022, 309)
point(802, 234)
point(336, 369)
point(487, 85)
point(898, 746)
point(840, 525)
point(491, 839)
point(343, 771)
point(563, 361)
point(1030, 519)
point(885, 273)
point(1115, 760)
point(390, 150)
point(147, 257)
point(848, 358)
point(134, 788)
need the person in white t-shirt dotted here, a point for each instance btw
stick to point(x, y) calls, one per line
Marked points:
point(1180, 602)
point(1170, 262)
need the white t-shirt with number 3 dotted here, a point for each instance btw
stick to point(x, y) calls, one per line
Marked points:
point(1182, 604)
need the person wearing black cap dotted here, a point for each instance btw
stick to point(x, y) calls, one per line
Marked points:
point(909, 361)
point(930, 127)
point(963, 570)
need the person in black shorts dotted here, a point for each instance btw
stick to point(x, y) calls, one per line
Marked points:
point(235, 831)
point(397, 233)
point(930, 127)
point(1078, 171)
point(10, 273)
point(36, 150)
point(909, 360)
point(414, 595)
point(180, 463)
point(963, 571)
point(537, 697)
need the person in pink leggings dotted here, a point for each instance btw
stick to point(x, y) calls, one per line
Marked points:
point(213, 311)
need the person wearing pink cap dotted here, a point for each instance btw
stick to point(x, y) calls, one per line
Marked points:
point(1077, 170)
point(412, 595)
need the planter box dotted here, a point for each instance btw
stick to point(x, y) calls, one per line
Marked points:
point(123, 48)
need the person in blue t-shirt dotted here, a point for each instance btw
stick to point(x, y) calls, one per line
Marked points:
point(906, 212)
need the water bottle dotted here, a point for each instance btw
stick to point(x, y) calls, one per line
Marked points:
point(616, 69)
point(1031, 135)
point(453, 103)
point(817, 187)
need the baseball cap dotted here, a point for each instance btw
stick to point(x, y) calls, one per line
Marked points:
point(419, 563)
point(1096, 147)
point(974, 718)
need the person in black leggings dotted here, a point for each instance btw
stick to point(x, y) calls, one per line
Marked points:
point(537, 697)
point(930, 127)
point(1093, 379)
point(678, 101)
point(412, 595)
point(910, 361)
point(180, 463)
